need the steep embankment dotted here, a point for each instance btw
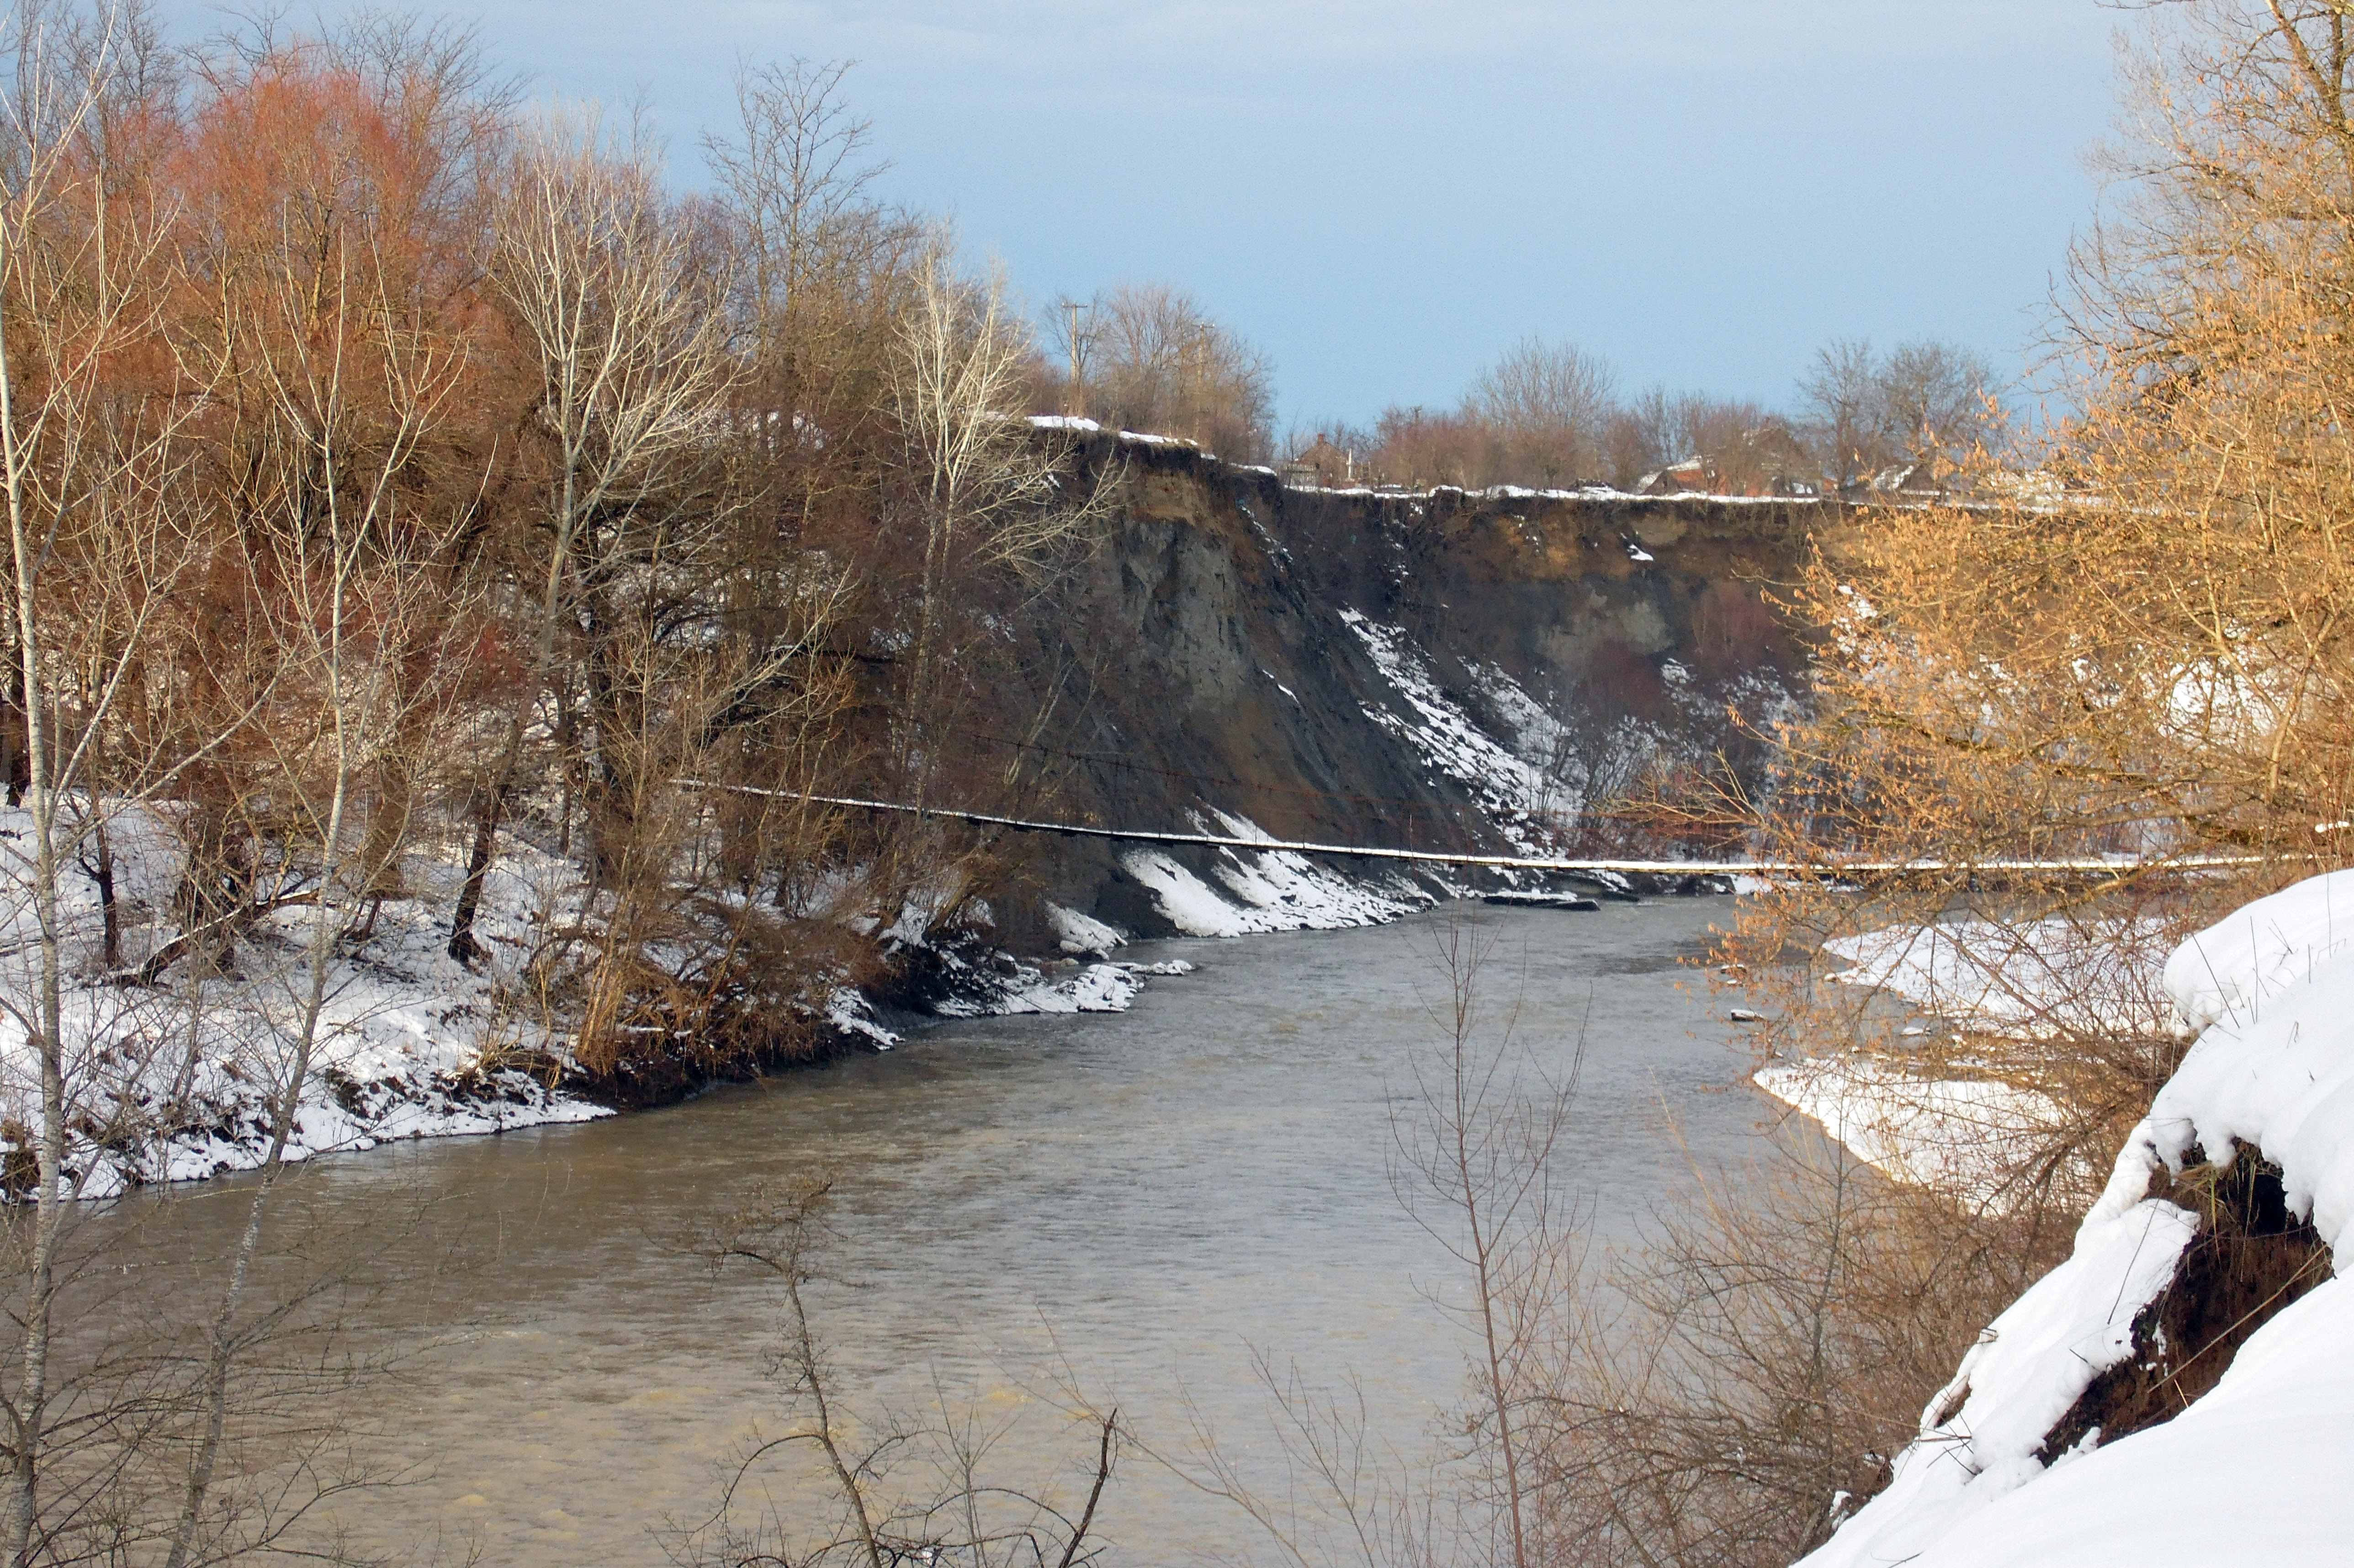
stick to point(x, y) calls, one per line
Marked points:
point(1438, 671)
point(1450, 670)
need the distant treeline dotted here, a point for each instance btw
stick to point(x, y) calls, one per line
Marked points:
point(1544, 414)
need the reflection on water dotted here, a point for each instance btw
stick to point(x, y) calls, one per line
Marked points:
point(1139, 1200)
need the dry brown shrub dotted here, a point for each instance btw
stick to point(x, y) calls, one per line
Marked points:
point(2128, 645)
point(1736, 1383)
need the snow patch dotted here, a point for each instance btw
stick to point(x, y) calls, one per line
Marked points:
point(2250, 1473)
point(1957, 1135)
point(1980, 1434)
point(2231, 970)
point(1269, 890)
point(1083, 934)
point(1536, 732)
point(850, 1013)
point(2043, 978)
point(170, 1080)
point(1512, 792)
point(1098, 988)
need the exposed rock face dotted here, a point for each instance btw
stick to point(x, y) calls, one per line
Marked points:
point(1440, 670)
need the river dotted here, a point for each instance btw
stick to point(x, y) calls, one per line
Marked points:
point(1129, 1204)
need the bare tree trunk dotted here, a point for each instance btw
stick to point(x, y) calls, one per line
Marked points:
point(110, 908)
point(28, 1410)
point(490, 800)
point(616, 722)
point(285, 1104)
point(12, 729)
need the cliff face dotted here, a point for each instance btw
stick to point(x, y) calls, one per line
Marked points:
point(1441, 671)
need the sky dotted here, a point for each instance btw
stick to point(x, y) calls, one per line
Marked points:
point(1385, 195)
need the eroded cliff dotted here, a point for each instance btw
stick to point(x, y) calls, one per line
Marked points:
point(1470, 671)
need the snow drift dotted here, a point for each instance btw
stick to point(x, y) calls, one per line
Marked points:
point(2250, 1471)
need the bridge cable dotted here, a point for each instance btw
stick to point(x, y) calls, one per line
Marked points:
point(1833, 868)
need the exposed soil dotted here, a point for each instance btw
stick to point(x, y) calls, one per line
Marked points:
point(1202, 656)
point(2252, 1258)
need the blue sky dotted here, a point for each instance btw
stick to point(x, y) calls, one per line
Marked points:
point(1383, 195)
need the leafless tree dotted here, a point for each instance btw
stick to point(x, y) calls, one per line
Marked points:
point(1475, 1169)
point(1924, 401)
point(1155, 361)
point(822, 271)
point(1746, 1371)
point(78, 280)
point(798, 177)
point(351, 386)
point(1935, 399)
point(871, 1517)
point(629, 352)
point(988, 488)
point(1840, 396)
point(1547, 403)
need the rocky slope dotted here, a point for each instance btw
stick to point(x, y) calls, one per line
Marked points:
point(1450, 670)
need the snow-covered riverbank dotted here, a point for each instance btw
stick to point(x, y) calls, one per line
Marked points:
point(1926, 1115)
point(2246, 1472)
point(169, 1078)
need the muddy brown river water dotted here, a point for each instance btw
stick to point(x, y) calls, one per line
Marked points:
point(1131, 1203)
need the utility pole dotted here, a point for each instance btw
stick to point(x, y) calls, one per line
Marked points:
point(1072, 400)
point(1194, 378)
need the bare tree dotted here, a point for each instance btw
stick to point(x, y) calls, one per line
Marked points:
point(820, 271)
point(1923, 402)
point(798, 179)
point(1841, 398)
point(79, 278)
point(1419, 449)
point(349, 383)
point(1935, 400)
point(1744, 1374)
point(987, 487)
point(1475, 1168)
point(1155, 361)
point(1547, 403)
point(970, 1522)
point(628, 350)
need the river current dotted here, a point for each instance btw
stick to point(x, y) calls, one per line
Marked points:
point(1128, 1206)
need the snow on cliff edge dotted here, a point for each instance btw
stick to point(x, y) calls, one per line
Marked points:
point(2256, 1470)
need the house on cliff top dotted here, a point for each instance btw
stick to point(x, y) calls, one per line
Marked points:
point(1767, 460)
point(1321, 467)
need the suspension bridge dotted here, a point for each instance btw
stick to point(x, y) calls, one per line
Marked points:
point(1829, 867)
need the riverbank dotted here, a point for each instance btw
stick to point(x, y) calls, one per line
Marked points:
point(1917, 1105)
point(2177, 1387)
point(410, 1044)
